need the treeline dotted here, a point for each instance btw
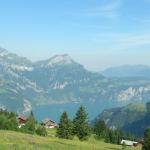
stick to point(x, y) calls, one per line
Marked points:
point(113, 136)
point(81, 128)
point(8, 121)
point(68, 128)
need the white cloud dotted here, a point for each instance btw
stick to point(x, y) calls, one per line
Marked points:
point(110, 10)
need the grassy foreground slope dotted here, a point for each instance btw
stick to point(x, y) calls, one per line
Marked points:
point(10, 140)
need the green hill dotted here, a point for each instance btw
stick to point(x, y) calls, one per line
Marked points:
point(133, 118)
point(10, 140)
point(119, 117)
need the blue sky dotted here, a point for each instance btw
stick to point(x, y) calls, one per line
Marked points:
point(96, 33)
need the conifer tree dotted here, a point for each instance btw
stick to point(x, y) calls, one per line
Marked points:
point(31, 122)
point(81, 127)
point(100, 128)
point(147, 140)
point(65, 127)
point(107, 136)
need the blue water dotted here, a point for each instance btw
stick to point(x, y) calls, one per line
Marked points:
point(54, 111)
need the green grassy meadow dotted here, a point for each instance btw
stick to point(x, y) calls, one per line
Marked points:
point(10, 140)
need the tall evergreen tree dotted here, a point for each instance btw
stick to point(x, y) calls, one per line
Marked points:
point(147, 140)
point(31, 122)
point(65, 127)
point(107, 136)
point(81, 126)
point(100, 128)
point(113, 136)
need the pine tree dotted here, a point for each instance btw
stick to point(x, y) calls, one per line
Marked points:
point(110, 136)
point(147, 140)
point(107, 136)
point(65, 127)
point(100, 128)
point(31, 122)
point(119, 136)
point(81, 127)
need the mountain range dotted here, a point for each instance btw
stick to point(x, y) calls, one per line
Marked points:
point(49, 87)
point(127, 71)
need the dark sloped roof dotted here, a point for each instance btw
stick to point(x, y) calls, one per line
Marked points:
point(22, 118)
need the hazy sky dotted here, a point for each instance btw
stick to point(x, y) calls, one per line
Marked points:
point(96, 33)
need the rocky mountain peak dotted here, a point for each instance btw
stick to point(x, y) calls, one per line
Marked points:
point(64, 59)
point(60, 59)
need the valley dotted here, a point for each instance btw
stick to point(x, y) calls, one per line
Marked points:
point(50, 86)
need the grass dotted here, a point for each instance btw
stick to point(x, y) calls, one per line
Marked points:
point(10, 140)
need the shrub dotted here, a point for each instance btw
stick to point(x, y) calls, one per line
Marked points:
point(41, 131)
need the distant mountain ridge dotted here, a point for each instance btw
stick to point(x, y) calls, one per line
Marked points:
point(26, 85)
point(127, 71)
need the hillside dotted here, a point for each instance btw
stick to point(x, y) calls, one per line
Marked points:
point(14, 140)
point(138, 126)
point(133, 118)
point(49, 87)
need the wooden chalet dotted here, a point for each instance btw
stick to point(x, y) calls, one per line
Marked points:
point(21, 121)
point(48, 123)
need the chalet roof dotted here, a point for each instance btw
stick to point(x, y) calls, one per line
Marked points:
point(22, 118)
point(48, 120)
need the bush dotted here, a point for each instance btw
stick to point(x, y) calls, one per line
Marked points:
point(41, 131)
